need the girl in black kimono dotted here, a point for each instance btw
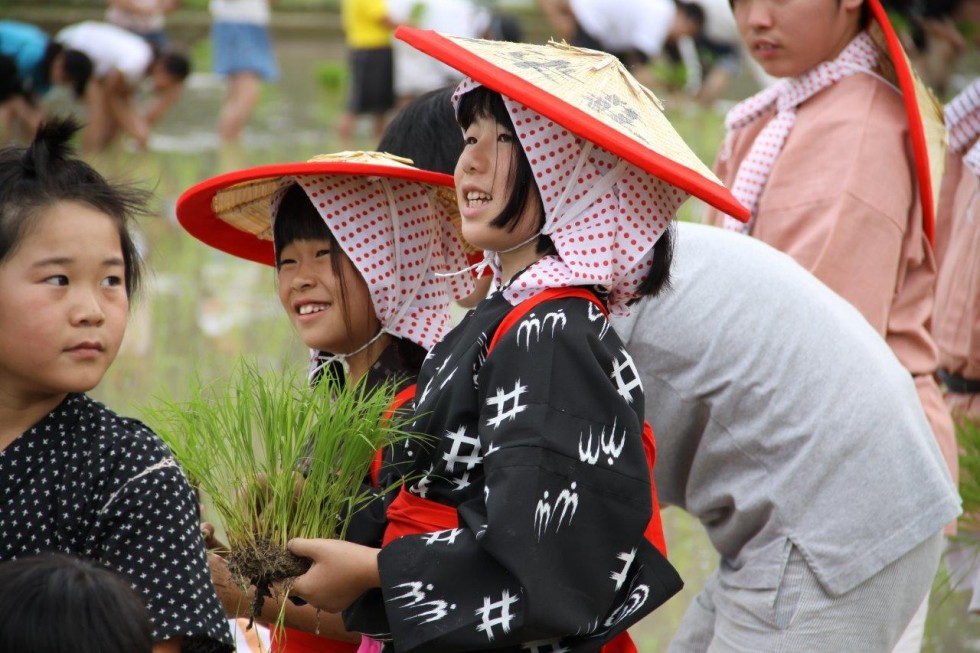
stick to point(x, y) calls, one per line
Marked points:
point(531, 526)
point(77, 478)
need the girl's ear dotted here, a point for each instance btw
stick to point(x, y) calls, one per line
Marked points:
point(852, 5)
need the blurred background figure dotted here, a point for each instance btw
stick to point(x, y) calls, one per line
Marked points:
point(144, 17)
point(30, 63)
point(417, 73)
point(937, 34)
point(633, 31)
point(60, 604)
point(371, 87)
point(121, 62)
point(956, 315)
point(714, 58)
point(241, 51)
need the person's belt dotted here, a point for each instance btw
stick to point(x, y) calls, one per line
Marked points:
point(959, 384)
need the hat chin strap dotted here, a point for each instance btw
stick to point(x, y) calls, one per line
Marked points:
point(321, 359)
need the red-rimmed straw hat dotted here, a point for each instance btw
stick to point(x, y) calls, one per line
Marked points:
point(927, 129)
point(610, 168)
point(398, 225)
point(589, 93)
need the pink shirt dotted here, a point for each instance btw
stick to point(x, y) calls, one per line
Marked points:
point(956, 318)
point(842, 201)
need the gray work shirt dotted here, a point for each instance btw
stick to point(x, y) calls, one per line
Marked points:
point(781, 417)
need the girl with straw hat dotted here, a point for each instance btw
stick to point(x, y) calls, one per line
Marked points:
point(360, 242)
point(531, 522)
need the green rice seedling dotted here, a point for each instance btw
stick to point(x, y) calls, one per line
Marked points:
point(968, 437)
point(276, 459)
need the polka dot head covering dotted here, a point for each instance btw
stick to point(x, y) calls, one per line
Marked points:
point(602, 213)
point(400, 237)
point(397, 224)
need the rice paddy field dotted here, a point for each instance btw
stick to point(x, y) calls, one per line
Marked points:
point(202, 309)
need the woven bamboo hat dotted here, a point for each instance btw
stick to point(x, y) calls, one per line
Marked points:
point(233, 212)
point(927, 128)
point(589, 93)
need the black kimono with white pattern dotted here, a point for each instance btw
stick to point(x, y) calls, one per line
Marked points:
point(85, 482)
point(538, 447)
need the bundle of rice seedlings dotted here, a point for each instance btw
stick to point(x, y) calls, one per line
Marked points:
point(248, 442)
point(968, 437)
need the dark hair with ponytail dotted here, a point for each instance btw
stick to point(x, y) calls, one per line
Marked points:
point(47, 172)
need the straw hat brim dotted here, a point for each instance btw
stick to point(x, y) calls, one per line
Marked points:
point(589, 93)
point(927, 129)
point(231, 212)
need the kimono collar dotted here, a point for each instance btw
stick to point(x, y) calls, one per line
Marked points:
point(963, 124)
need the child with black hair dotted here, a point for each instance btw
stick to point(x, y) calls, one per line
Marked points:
point(30, 64)
point(55, 603)
point(122, 62)
point(79, 479)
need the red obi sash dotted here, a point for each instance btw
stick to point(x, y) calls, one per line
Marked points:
point(409, 514)
point(298, 641)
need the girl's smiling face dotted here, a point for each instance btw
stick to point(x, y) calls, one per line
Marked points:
point(63, 303)
point(485, 181)
point(331, 312)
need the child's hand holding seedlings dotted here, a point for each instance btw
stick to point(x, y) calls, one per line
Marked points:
point(341, 572)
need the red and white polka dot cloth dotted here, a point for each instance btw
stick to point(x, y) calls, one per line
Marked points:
point(400, 239)
point(963, 125)
point(602, 213)
point(860, 55)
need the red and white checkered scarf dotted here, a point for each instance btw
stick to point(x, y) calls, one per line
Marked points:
point(603, 214)
point(860, 55)
point(963, 125)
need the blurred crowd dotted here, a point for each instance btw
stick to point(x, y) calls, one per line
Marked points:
point(126, 73)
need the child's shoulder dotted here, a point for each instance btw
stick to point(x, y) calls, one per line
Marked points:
point(115, 434)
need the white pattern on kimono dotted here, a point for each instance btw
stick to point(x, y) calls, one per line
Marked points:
point(545, 512)
point(625, 386)
point(620, 576)
point(637, 598)
point(501, 400)
point(433, 610)
point(456, 456)
point(595, 314)
point(447, 536)
point(603, 445)
point(503, 615)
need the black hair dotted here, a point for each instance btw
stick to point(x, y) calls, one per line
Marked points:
point(175, 64)
point(658, 279)
point(78, 69)
point(426, 132)
point(694, 13)
point(46, 172)
point(481, 102)
point(297, 219)
point(53, 603)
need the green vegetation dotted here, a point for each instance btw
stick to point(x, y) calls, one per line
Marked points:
point(276, 459)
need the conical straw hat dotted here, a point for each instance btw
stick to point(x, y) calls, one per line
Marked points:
point(927, 128)
point(589, 93)
point(232, 212)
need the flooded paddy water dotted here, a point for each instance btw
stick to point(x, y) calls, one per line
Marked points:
point(202, 309)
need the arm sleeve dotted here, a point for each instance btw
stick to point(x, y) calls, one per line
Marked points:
point(149, 530)
point(545, 550)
